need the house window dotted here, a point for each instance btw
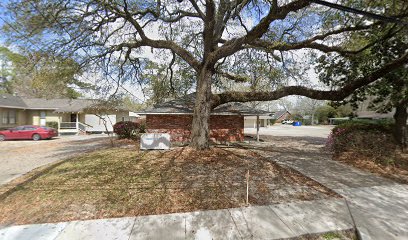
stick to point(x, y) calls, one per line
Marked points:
point(9, 117)
point(5, 117)
point(12, 116)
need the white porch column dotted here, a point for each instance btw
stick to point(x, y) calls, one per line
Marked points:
point(59, 123)
point(257, 128)
point(77, 123)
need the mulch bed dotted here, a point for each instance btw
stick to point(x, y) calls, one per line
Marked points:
point(397, 172)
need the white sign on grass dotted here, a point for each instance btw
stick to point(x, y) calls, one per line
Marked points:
point(155, 141)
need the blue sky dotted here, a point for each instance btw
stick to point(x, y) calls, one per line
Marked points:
point(2, 16)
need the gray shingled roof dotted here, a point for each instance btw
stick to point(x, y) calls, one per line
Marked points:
point(279, 114)
point(10, 101)
point(76, 105)
point(185, 105)
point(59, 105)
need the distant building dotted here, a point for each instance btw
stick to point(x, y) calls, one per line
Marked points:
point(70, 115)
point(363, 112)
point(281, 115)
point(264, 121)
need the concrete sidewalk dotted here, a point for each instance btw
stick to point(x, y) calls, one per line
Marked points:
point(254, 222)
point(379, 205)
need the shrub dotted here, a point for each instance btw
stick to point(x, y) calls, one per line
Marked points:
point(126, 129)
point(52, 124)
point(306, 121)
point(339, 121)
point(142, 128)
point(369, 139)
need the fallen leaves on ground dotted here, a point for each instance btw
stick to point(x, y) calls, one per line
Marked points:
point(119, 182)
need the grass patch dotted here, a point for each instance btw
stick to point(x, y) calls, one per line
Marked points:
point(121, 182)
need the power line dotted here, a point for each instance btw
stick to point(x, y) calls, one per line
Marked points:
point(360, 12)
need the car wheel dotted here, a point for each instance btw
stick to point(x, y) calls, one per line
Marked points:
point(2, 138)
point(36, 137)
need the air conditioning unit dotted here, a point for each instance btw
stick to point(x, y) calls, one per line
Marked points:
point(156, 141)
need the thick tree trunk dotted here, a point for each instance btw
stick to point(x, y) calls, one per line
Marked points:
point(202, 110)
point(400, 128)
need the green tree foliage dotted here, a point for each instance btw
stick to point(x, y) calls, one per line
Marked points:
point(40, 74)
point(323, 113)
point(8, 62)
point(390, 92)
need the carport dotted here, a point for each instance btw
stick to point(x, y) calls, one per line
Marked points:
point(259, 114)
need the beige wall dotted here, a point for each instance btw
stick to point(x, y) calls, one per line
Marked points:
point(251, 122)
point(123, 116)
point(21, 117)
point(65, 117)
point(52, 116)
point(33, 116)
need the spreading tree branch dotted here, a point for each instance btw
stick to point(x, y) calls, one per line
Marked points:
point(334, 95)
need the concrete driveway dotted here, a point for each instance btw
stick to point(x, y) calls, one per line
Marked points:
point(281, 130)
point(21, 156)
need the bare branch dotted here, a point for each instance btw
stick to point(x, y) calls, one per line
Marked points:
point(236, 78)
point(261, 28)
point(309, 43)
point(197, 8)
point(145, 41)
point(334, 95)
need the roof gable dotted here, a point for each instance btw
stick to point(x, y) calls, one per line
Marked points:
point(11, 101)
point(279, 114)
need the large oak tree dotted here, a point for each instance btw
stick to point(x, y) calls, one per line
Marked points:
point(203, 33)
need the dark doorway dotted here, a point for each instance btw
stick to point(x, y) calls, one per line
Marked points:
point(73, 117)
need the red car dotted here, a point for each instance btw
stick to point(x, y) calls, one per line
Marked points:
point(28, 132)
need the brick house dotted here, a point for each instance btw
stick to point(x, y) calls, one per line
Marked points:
point(175, 117)
point(281, 115)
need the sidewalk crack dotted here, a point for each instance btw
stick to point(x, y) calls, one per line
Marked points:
point(131, 230)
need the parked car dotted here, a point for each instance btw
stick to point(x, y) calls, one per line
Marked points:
point(28, 132)
point(287, 121)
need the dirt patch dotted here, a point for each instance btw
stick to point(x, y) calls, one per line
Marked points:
point(121, 182)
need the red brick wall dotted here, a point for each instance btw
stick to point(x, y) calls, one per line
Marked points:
point(222, 127)
point(283, 117)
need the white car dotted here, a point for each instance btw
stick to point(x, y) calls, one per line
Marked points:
point(287, 121)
